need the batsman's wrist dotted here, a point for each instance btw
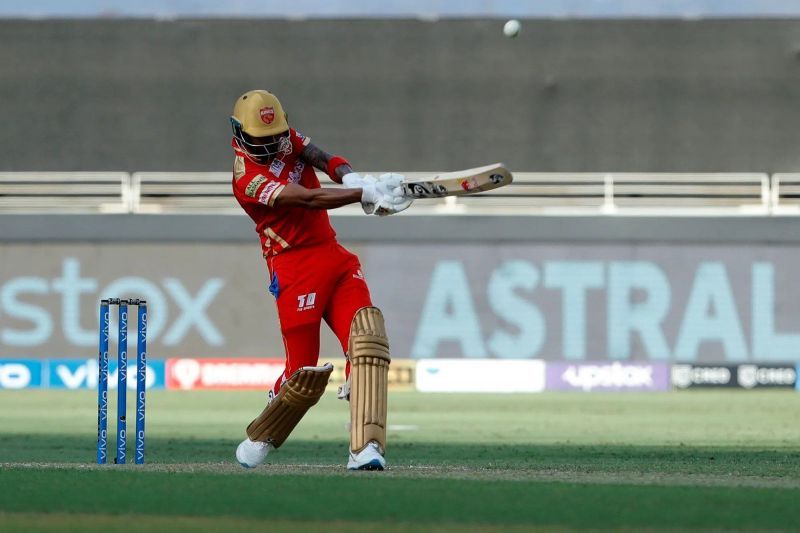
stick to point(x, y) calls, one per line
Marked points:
point(352, 180)
point(334, 163)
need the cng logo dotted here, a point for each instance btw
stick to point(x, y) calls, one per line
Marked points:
point(306, 301)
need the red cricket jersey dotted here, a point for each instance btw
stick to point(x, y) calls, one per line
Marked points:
point(256, 186)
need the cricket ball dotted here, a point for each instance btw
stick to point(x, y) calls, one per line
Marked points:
point(511, 28)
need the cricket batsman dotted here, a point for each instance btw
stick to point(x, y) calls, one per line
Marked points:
point(312, 277)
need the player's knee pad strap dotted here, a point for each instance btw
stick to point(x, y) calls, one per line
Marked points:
point(296, 396)
point(369, 376)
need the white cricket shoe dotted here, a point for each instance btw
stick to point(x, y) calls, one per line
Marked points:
point(370, 458)
point(251, 454)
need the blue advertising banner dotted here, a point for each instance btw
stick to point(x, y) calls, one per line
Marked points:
point(21, 373)
point(82, 374)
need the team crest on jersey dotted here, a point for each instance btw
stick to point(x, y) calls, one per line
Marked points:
point(297, 171)
point(267, 114)
point(276, 167)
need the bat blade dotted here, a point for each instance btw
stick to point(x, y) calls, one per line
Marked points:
point(463, 182)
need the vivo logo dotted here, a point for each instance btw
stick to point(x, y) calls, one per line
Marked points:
point(83, 374)
point(15, 376)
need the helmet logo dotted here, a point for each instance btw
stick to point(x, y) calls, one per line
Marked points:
point(267, 114)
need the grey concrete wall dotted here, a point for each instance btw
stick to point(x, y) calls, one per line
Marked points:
point(480, 287)
point(411, 230)
point(565, 96)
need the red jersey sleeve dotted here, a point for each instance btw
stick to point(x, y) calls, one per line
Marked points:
point(258, 188)
point(299, 141)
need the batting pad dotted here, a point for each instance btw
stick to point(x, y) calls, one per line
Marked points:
point(295, 398)
point(369, 375)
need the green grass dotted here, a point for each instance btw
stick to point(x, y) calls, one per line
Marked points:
point(705, 460)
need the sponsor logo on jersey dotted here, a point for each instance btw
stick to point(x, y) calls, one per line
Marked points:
point(276, 167)
point(306, 301)
point(297, 171)
point(267, 114)
point(253, 186)
point(285, 145)
point(269, 188)
point(358, 274)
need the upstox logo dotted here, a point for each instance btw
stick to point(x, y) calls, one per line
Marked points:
point(178, 312)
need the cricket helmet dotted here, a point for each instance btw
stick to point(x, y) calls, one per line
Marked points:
point(260, 125)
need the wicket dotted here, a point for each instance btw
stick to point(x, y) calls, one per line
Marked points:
point(122, 379)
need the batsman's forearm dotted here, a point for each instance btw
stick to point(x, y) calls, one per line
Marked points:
point(332, 198)
point(320, 159)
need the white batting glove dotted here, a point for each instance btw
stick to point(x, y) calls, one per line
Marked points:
point(370, 194)
point(353, 180)
point(392, 181)
point(391, 205)
point(393, 200)
point(386, 183)
point(382, 196)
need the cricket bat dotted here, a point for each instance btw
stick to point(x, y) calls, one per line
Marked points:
point(470, 181)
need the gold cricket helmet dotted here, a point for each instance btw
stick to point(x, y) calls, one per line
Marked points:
point(260, 125)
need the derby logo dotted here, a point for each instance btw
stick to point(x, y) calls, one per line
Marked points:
point(267, 114)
